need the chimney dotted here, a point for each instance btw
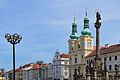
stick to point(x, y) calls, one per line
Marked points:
point(106, 45)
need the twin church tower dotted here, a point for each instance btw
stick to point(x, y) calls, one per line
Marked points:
point(79, 47)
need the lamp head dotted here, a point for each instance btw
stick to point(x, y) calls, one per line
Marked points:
point(13, 39)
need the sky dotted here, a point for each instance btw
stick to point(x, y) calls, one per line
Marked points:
point(45, 26)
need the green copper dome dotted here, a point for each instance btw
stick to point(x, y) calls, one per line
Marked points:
point(74, 34)
point(86, 31)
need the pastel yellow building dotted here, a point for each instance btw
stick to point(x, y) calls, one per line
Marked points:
point(79, 47)
point(2, 77)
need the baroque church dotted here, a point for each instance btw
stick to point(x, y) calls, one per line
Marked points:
point(82, 53)
point(79, 47)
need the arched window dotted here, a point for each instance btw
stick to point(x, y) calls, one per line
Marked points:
point(75, 59)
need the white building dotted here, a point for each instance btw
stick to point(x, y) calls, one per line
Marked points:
point(50, 71)
point(61, 66)
point(110, 55)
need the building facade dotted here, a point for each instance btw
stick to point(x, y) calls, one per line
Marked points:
point(79, 47)
point(61, 66)
point(32, 71)
point(2, 75)
point(50, 71)
point(82, 53)
point(110, 56)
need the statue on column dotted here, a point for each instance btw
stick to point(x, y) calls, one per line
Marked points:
point(98, 18)
point(97, 26)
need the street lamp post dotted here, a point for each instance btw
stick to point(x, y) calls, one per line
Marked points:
point(13, 39)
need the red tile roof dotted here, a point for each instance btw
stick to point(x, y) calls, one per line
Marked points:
point(64, 56)
point(30, 67)
point(106, 50)
point(18, 70)
point(36, 66)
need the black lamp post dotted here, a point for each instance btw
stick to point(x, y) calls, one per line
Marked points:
point(13, 39)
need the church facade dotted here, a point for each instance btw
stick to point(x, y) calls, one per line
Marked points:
point(82, 52)
point(79, 47)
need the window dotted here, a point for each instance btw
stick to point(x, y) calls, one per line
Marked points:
point(57, 56)
point(57, 71)
point(105, 59)
point(110, 58)
point(78, 45)
point(110, 67)
point(72, 48)
point(82, 56)
point(70, 58)
point(65, 73)
point(115, 57)
point(82, 44)
point(70, 75)
point(75, 59)
point(88, 44)
point(116, 66)
point(66, 62)
point(87, 62)
point(65, 67)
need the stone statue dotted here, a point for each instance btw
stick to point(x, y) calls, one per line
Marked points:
point(75, 74)
point(79, 70)
point(98, 18)
point(87, 69)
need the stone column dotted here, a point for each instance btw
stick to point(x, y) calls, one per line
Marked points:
point(97, 58)
point(97, 26)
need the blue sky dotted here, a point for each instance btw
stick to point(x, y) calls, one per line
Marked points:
point(45, 26)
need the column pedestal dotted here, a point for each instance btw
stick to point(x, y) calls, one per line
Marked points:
point(95, 74)
point(88, 77)
point(107, 78)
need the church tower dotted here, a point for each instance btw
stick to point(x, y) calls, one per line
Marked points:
point(79, 47)
point(73, 38)
point(86, 40)
point(73, 45)
point(76, 57)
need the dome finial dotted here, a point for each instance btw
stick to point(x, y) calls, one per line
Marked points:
point(86, 31)
point(74, 17)
point(74, 34)
point(85, 11)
